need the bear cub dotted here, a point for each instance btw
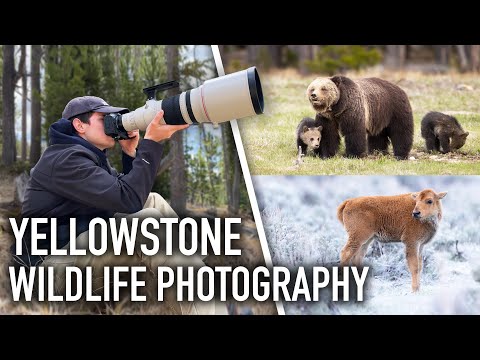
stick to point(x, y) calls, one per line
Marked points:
point(442, 132)
point(309, 135)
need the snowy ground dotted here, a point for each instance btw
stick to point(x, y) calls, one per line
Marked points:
point(299, 216)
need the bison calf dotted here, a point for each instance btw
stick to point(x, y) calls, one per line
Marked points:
point(408, 218)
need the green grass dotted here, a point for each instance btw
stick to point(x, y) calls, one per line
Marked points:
point(270, 140)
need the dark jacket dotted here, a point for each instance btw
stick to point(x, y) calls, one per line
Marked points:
point(74, 179)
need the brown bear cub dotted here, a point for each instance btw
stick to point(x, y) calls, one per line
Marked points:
point(309, 134)
point(329, 136)
point(442, 132)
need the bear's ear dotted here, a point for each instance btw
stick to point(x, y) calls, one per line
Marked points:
point(305, 128)
point(319, 128)
point(441, 195)
point(337, 80)
point(466, 133)
point(414, 195)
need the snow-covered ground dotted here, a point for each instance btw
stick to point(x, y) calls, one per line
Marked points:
point(299, 216)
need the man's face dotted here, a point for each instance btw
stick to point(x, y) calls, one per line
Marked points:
point(95, 133)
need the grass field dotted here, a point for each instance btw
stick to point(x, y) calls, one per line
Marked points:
point(270, 142)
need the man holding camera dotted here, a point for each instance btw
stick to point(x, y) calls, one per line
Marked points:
point(73, 179)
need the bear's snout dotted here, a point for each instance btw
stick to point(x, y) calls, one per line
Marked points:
point(316, 99)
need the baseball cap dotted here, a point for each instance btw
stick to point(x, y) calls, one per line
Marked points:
point(83, 104)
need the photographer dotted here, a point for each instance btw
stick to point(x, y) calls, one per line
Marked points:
point(73, 179)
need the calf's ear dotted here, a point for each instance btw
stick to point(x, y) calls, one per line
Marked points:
point(414, 195)
point(442, 195)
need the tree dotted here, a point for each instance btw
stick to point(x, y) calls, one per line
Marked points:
point(210, 145)
point(24, 105)
point(178, 193)
point(263, 56)
point(252, 54)
point(462, 55)
point(468, 56)
point(152, 64)
point(197, 177)
point(108, 67)
point(234, 207)
point(227, 161)
point(335, 59)
point(275, 52)
point(232, 170)
point(64, 80)
point(442, 54)
point(475, 57)
point(127, 78)
point(305, 54)
point(395, 56)
point(10, 78)
point(36, 115)
point(1, 92)
point(89, 62)
point(221, 50)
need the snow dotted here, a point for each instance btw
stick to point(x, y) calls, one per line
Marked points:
point(299, 216)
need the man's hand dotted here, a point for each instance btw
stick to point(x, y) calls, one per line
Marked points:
point(157, 131)
point(129, 146)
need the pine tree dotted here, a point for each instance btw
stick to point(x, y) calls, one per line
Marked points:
point(1, 90)
point(9, 80)
point(178, 197)
point(36, 114)
point(108, 87)
point(233, 172)
point(152, 69)
point(24, 105)
point(211, 149)
point(90, 63)
point(64, 80)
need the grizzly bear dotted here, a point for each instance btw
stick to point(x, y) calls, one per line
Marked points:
point(442, 132)
point(327, 128)
point(367, 112)
point(309, 135)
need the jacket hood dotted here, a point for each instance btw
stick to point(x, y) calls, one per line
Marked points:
point(62, 132)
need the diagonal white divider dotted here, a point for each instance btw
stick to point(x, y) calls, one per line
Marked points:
point(248, 180)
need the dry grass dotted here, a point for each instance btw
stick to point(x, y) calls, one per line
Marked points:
point(270, 142)
point(6, 197)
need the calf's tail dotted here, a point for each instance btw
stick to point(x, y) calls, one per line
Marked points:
point(340, 211)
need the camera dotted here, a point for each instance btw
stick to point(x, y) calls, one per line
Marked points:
point(221, 99)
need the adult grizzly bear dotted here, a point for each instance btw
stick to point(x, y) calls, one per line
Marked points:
point(368, 109)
